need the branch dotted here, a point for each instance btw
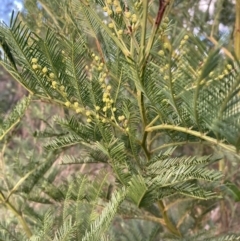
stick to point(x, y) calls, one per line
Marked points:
point(191, 132)
point(215, 42)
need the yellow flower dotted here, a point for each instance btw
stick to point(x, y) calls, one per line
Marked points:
point(67, 104)
point(134, 18)
point(88, 113)
point(45, 70)
point(120, 31)
point(35, 66)
point(105, 95)
point(111, 25)
point(182, 42)
point(34, 60)
point(166, 45)
point(161, 53)
point(118, 10)
point(54, 83)
point(128, 15)
point(229, 66)
point(52, 75)
point(79, 110)
point(109, 12)
point(115, 3)
point(75, 105)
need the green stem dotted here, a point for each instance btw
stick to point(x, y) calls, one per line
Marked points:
point(18, 214)
point(237, 31)
point(191, 132)
point(144, 29)
point(168, 222)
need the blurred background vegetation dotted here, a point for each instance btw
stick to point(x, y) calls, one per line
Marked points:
point(212, 20)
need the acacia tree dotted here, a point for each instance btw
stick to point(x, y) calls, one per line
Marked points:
point(129, 102)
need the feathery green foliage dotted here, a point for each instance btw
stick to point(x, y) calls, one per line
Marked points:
point(129, 101)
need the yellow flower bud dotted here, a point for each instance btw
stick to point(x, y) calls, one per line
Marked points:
point(166, 20)
point(34, 60)
point(111, 25)
point(182, 42)
point(78, 110)
point(97, 108)
point(54, 83)
point(161, 53)
point(221, 76)
point(115, 3)
point(75, 105)
point(45, 70)
point(118, 10)
point(88, 113)
point(134, 18)
point(120, 32)
point(109, 12)
point(67, 104)
point(226, 72)
point(128, 15)
point(35, 66)
point(105, 95)
point(229, 66)
point(88, 120)
point(161, 70)
point(166, 45)
point(166, 77)
point(52, 75)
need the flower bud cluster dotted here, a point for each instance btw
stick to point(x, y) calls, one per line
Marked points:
point(226, 71)
point(105, 113)
point(114, 8)
point(163, 29)
point(49, 76)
